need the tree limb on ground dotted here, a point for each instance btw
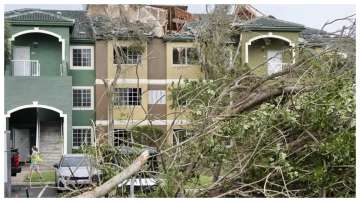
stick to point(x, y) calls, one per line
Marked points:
point(113, 182)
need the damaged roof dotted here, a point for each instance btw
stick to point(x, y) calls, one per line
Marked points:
point(105, 28)
point(79, 22)
point(269, 24)
point(316, 37)
point(190, 29)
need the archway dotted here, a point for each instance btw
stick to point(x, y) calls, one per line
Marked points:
point(41, 121)
point(269, 35)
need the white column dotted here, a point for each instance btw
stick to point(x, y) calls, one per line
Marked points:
point(37, 129)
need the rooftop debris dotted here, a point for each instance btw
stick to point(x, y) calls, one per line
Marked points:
point(171, 22)
point(129, 15)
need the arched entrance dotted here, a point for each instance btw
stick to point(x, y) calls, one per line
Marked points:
point(38, 125)
point(37, 30)
point(269, 35)
point(270, 52)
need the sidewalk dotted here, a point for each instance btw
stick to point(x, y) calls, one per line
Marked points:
point(19, 179)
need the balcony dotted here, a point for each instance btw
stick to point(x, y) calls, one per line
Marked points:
point(25, 68)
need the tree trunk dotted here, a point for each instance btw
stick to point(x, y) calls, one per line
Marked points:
point(113, 182)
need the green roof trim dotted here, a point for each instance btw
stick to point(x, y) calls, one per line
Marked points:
point(28, 22)
point(37, 15)
point(77, 20)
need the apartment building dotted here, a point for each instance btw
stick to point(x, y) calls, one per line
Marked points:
point(55, 86)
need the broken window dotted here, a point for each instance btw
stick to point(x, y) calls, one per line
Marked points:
point(185, 56)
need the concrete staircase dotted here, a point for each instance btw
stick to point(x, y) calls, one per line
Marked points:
point(51, 144)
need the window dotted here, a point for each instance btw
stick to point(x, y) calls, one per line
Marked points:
point(81, 136)
point(81, 57)
point(185, 56)
point(157, 97)
point(128, 56)
point(180, 135)
point(83, 98)
point(122, 137)
point(127, 96)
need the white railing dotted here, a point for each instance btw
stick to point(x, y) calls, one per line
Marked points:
point(274, 67)
point(25, 68)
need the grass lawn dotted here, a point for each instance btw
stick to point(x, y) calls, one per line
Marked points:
point(47, 176)
point(202, 181)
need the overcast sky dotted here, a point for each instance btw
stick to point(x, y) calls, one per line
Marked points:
point(309, 15)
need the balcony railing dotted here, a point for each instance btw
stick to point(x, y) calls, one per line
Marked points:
point(25, 68)
point(274, 67)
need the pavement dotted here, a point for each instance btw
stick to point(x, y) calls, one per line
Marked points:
point(20, 191)
point(19, 179)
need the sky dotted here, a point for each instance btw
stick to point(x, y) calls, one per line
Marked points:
point(314, 15)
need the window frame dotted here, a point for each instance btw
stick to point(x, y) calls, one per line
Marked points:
point(91, 67)
point(91, 88)
point(186, 55)
point(129, 144)
point(82, 127)
point(127, 57)
point(139, 95)
point(177, 139)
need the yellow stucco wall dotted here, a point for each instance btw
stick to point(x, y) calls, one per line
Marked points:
point(128, 70)
point(175, 71)
point(258, 55)
point(135, 112)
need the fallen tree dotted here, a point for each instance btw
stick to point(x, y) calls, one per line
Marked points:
point(117, 179)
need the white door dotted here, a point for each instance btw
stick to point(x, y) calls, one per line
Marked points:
point(22, 143)
point(22, 66)
point(274, 63)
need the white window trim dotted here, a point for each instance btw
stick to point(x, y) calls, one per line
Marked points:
point(127, 104)
point(186, 58)
point(126, 130)
point(82, 127)
point(92, 97)
point(82, 67)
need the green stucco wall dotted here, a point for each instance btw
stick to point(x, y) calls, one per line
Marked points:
point(83, 117)
point(50, 88)
point(50, 91)
point(47, 51)
point(64, 32)
point(83, 78)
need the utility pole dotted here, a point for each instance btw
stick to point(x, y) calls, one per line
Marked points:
point(7, 163)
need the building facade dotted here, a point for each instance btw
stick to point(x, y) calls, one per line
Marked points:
point(62, 62)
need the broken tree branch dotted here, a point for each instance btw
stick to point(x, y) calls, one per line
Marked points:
point(117, 179)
